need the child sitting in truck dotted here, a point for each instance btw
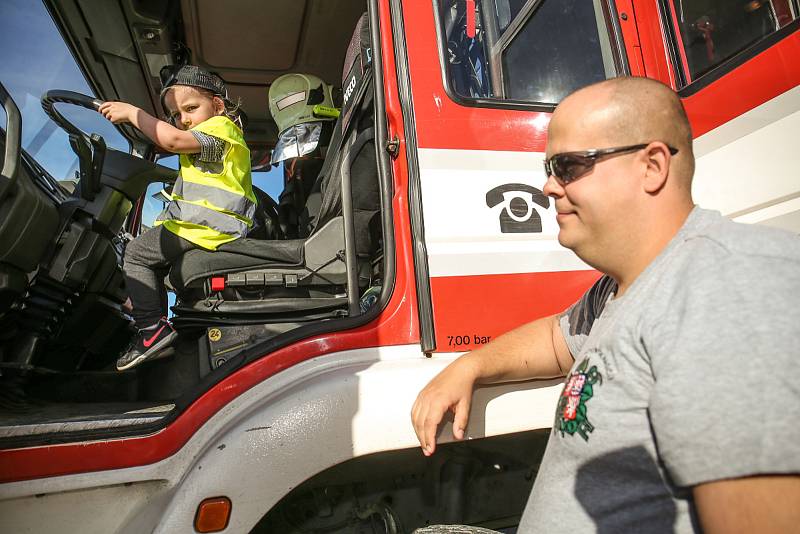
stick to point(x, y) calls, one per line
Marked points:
point(212, 200)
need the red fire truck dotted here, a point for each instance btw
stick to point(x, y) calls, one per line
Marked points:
point(285, 406)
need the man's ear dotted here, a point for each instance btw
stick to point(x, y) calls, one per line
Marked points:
point(657, 161)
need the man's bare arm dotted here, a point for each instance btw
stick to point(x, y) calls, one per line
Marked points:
point(763, 504)
point(534, 350)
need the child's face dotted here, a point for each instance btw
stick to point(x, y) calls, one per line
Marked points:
point(188, 106)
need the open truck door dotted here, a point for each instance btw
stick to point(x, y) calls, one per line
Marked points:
point(485, 77)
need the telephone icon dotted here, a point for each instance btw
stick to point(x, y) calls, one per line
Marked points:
point(518, 215)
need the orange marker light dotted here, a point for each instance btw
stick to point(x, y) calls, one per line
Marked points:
point(213, 515)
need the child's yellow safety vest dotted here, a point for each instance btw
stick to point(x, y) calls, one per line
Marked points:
point(211, 209)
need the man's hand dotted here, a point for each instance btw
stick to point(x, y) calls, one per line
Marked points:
point(449, 390)
point(118, 112)
point(763, 504)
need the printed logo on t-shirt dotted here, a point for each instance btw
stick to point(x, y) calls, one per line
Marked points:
point(571, 413)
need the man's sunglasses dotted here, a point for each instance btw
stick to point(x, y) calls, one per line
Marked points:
point(569, 166)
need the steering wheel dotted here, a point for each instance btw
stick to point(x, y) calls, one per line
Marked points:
point(58, 96)
point(50, 98)
point(120, 170)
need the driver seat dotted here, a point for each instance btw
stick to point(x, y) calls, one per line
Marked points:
point(299, 277)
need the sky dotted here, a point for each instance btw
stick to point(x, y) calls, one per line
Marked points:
point(33, 60)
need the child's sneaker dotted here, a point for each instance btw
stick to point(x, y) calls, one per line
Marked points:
point(149, 344)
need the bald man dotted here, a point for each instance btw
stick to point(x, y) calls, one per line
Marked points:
point(680, 404)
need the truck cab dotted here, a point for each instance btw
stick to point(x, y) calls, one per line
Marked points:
point(301, 348)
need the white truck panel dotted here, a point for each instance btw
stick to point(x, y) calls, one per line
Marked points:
point(269, 440)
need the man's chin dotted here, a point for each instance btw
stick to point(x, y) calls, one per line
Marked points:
point(568, 240)
point(563, 240)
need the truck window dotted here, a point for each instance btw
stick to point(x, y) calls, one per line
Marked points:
point(36, 60)
point(708, 33)
point(535, 51)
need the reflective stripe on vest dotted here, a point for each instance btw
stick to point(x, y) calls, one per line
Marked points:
point(180, 210)
point(172, 211)
point(220, 198)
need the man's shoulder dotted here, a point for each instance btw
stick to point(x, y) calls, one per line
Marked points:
point(716, 256)
point(719, 239)
point(724, 261)
point(724, 279)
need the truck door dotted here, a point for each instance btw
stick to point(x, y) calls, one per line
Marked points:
point(485, 76)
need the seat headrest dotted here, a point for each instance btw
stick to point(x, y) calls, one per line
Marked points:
point(358, 51)
point(356, 62)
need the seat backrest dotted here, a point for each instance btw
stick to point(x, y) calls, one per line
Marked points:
point(356, 119)
point(357, 62)
point(266, 222)
point(299, 178)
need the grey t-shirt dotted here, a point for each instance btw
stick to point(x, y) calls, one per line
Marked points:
point(689, 377)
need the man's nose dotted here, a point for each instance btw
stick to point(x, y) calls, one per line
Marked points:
point(552, 188)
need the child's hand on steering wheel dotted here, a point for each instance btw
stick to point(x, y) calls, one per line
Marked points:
point(117, 112)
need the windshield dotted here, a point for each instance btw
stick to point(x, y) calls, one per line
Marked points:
point(35, 60)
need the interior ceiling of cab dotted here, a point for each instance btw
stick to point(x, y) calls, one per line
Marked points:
point(122, 45)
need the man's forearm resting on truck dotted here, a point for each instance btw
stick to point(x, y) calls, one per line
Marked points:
point(533, 350)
